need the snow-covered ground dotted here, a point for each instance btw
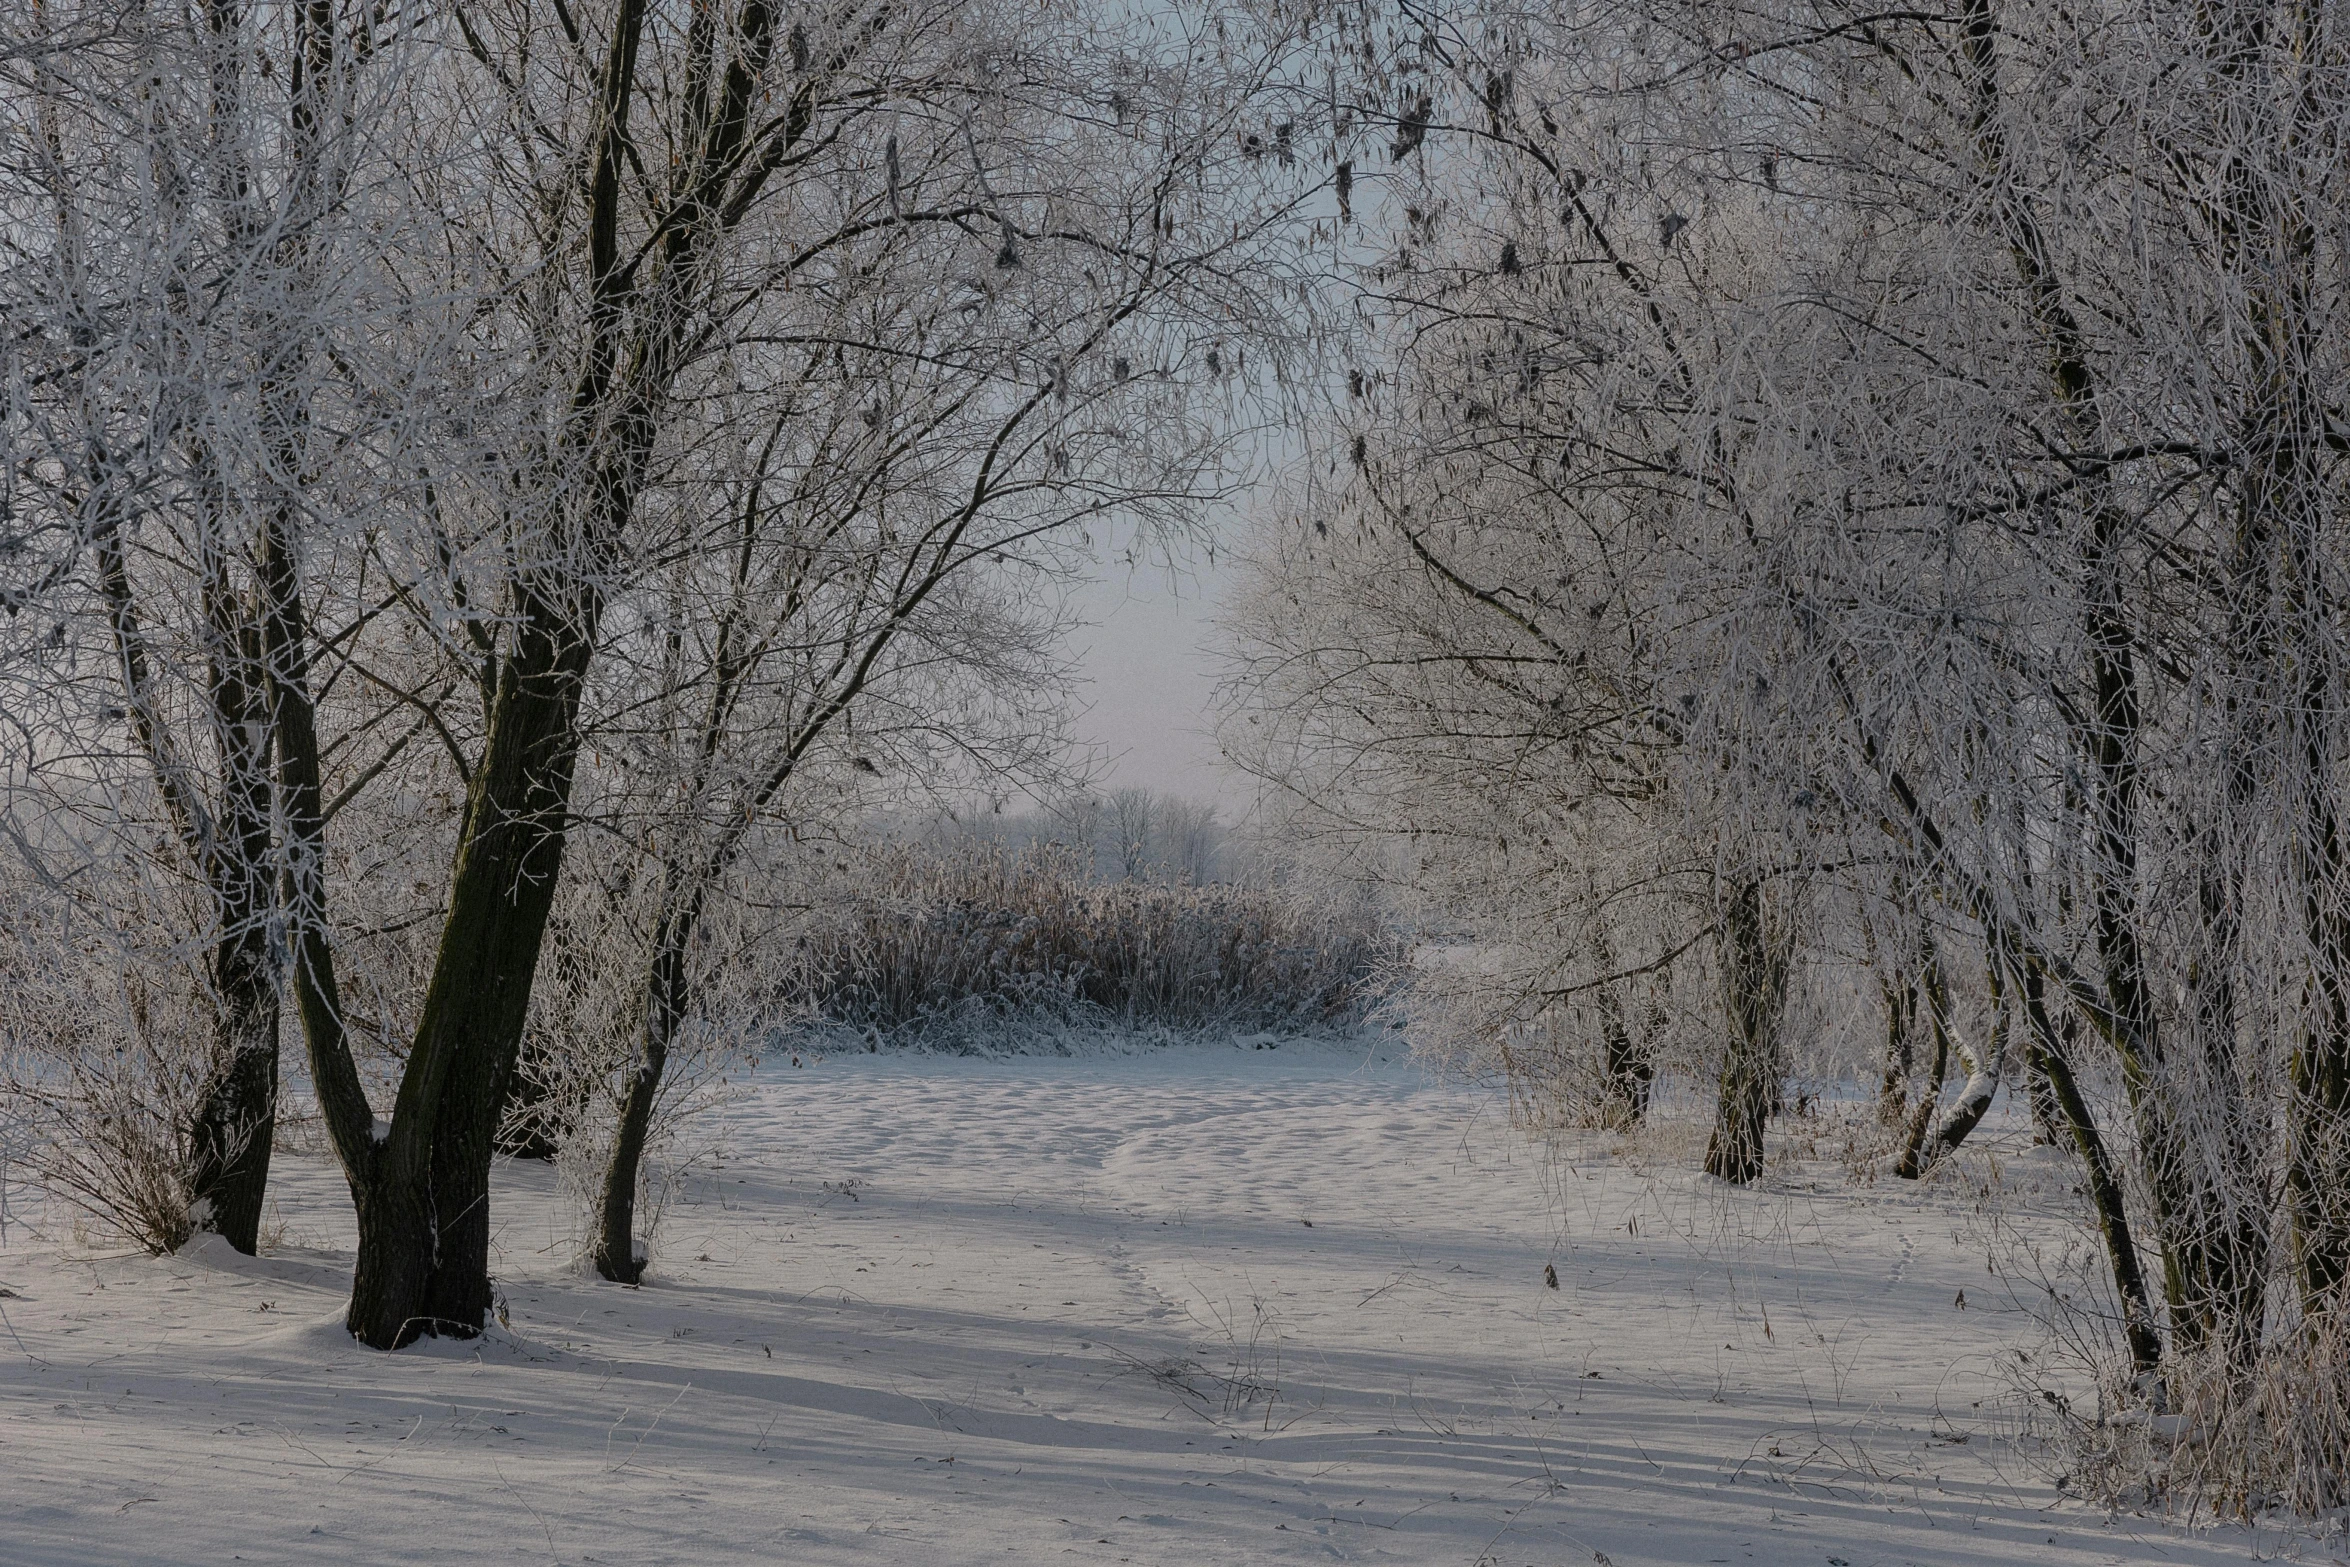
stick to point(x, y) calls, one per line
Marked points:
point(1206, 1305)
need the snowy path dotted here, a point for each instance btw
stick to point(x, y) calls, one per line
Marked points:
point(1210, 1306)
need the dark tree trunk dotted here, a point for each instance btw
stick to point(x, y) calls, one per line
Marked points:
point(390, 1282)
point(228, 842)
point(421, 1184)
point(1900, 994)
point(1630, 1072)
point(236, 1120)
point(1754, 959)
point(618, 1255)
point(388, 1167)
point(500, 896)
point(1912, 1162)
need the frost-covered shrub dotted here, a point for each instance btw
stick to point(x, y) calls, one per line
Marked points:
point(104, 1056)
point(2264, 1436)
point(929, 939)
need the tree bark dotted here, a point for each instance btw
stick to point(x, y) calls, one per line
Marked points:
point(1912, 1162)
point(1754, 960)
point(1628, 1071)
point(500, 895)
point(1966, 1112)
point(2105, 1191)
point(236, 1121)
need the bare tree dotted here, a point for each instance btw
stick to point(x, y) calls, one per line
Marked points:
point(938, 441)
point(192, 317)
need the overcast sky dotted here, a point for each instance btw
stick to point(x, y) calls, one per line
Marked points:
point(1147, 676)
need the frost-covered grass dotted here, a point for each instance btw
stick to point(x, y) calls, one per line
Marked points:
point(1201, 1304)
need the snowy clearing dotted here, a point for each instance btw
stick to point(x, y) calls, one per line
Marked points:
point(1205, 1305)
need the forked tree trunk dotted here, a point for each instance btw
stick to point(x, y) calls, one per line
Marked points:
point(1984, 1074)
point(504, 886)
point(228, 842)
point(500, 896)
point(420, 1185)
point(1756, 946)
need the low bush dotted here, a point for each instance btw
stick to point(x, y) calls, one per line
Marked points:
point(101, 1072)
